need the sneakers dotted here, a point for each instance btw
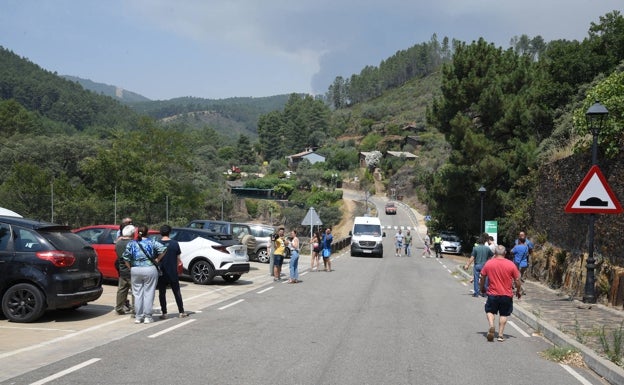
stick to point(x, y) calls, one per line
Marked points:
point(183, 315)
point(490, 334)
point(148, 320)
point(138, 320)
point(163, 316)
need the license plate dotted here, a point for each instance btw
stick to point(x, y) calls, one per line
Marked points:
point(367, 251)
point(88, 282)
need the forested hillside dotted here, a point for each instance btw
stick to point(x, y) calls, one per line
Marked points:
point(114, 92)
point(477, 114)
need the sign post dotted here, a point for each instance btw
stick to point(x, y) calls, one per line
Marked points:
point(491, 228)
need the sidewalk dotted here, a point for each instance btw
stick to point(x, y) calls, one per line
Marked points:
point(569, 322)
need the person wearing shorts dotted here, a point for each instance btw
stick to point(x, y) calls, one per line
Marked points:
point(500, 272)
point(278, 254)
point(398, 243)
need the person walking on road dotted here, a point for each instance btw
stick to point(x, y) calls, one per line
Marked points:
point(169, 266)
point(500, 272)
point(326, 243)
point(407, 240)
point(398, 243)
point(437, 245)
point(427, 241)
point(480, 254)
point(522, 239)
point(293, 245)
point(141, 257)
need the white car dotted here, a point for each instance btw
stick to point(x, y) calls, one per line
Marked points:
point(206, 255)
point(451, 244)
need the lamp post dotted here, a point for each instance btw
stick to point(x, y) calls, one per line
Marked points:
point(482, 191)
point(596, 116)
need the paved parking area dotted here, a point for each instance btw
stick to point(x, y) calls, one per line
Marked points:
point(60, 334)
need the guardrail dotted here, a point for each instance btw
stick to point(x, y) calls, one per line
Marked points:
point(340, 244)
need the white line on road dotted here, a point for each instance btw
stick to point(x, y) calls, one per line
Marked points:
point(264, 290)
point(574, 374)
point(65, 372)
point(44, 329)
point(231, 304)
point(56, 340)
point(524, 334)
point(171, 328)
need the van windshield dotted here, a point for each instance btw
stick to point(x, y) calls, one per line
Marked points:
point(364, 229)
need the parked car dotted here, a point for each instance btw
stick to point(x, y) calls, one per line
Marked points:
point(262, 233)
point(102, 238)
point(238, 231)
point(391, 208)
point(44, 266)
point(206, 254)
point(451, 243)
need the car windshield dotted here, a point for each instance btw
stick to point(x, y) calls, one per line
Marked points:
point(450, 238)
point(364, 229)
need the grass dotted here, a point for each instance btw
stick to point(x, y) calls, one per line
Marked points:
point(613, 352)
point(564, 355)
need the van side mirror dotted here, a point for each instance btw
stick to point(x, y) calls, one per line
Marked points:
point(383, 234)
point(350, 233)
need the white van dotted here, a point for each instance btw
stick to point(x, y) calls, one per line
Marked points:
point(367, 237)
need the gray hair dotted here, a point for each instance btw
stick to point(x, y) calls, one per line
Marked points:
point(128, 231)
point(500, 250)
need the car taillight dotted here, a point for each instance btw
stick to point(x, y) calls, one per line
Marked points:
point(221, 248)
point(57, 257)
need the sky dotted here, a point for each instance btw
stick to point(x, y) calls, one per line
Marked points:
point(163, 49)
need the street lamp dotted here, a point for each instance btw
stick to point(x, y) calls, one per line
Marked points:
point(596, 116)
point(482, 191)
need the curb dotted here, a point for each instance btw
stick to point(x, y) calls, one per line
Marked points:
point(603, 367)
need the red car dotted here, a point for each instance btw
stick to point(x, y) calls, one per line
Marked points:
point(390, 208)
point(102, 238)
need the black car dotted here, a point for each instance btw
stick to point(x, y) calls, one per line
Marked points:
point(44, 266)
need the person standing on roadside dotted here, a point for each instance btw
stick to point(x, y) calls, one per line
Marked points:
point(316, 250)
point(437, 245)
point(398, 243)
point(500, 272)
point(407, 240)
point(169, 267)
point(141, 257)
point(326, 243)
point(124, 222)
point(293, 245)
point(480, 255)
point(522, 239)
point(280, 244)
point(123, 283)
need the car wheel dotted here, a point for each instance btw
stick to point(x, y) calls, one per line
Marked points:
point(202, 272)
point(263, 256)
point(230, 278)
point(23, 303)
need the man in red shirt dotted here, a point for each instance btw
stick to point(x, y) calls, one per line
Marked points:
point(501, 272)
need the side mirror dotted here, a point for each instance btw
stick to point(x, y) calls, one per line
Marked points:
point(383, 234)
point(350, 233)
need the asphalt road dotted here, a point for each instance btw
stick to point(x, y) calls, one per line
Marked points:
point(384, 320)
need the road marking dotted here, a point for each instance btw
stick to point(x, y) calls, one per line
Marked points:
point(304, 273)
point(65, 372)
point(264, 290)
point(56, 340)
point(524, 334)
point(171, 328)
point(44, 329)
point(576, 375)
point(231, 304)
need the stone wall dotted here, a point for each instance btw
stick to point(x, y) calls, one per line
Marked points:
point(557, 183)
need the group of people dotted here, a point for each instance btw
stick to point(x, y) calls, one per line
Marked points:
point(145, 265)
point(320, 247)
point(403, 241)
point(497, 277)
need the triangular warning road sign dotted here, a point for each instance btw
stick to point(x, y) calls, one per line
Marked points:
point(594, 196)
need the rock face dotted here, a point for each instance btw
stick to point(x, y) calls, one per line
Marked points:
point(557, 183)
